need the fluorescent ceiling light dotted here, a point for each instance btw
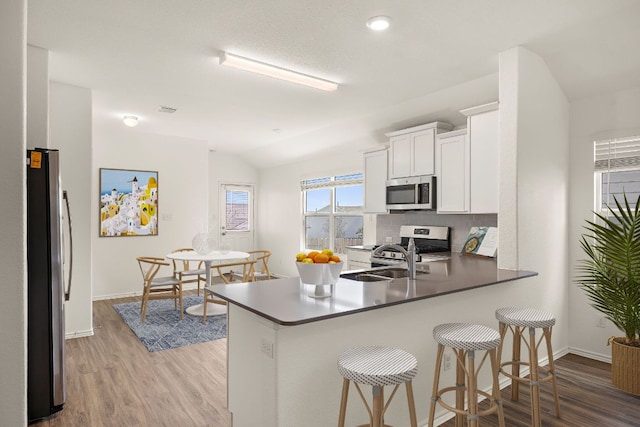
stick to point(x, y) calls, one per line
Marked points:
point(130, 121)
point(277, 72)
point(378, 23)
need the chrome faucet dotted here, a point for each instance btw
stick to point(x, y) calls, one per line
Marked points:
point(409, 255)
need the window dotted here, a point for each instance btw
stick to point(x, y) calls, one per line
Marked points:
point(332, 212)
point(617, 171)
point(236, 208)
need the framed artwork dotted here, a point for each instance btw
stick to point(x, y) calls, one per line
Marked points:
point(128, 203)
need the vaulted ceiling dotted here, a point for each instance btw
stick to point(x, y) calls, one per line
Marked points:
point(139, 55)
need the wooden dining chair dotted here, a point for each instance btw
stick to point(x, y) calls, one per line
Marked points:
point(168, 287)
point(261, 256)
point(247, 275)
point(183, 271)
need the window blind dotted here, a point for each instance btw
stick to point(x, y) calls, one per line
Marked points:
point(617, 169)
point(351, 179)
point(617, 153)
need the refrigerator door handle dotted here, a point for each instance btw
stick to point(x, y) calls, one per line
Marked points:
point(67, 292)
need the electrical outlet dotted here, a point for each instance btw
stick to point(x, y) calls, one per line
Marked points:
point(266, 347)
point(388, 239)
point(447, 362)
point(602, 322)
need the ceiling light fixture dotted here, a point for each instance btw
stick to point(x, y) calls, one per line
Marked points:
point(276, 72)
point(378, 23)
point(130, 121)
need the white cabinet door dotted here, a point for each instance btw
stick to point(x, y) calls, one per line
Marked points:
point(422, 158)
point(484, 140)
point(375, 175)
point(411, 151)
point(452, 171)
point(400, 156)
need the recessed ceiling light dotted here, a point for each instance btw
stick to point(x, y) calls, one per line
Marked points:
point(378, 23)
point(130, 121)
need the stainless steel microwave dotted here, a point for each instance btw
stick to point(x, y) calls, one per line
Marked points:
point(412, 193)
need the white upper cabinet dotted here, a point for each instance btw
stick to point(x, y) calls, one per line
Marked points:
point(483, 131)
point(412, 150)
point(467, 164)
point(452, 172)
point(375, 175)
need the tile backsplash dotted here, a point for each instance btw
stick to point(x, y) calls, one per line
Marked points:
point(388, 225)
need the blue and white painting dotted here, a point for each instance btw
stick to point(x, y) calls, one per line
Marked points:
point(128, 203)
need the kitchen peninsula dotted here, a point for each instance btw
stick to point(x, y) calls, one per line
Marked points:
point(283, 345)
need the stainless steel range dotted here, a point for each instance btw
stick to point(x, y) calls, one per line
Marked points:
point(430, 241)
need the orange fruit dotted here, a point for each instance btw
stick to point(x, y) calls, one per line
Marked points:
point(321, 259)
point(334, 258)
point(313, 254)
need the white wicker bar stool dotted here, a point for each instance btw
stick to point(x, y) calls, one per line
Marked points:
point(465, 339)
point(377, 366)
point(516, 320)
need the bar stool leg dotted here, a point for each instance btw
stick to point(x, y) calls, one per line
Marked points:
point(436, 384)
point(502, 329)
point(495, 368)
point(412, 404)
point(378, 404)
point(552, 369)
point(515, 367)
point(534, 379)
point(460, 385)
point(343, 402)
point(472, 393)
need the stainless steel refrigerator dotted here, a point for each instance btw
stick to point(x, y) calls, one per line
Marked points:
point(46, 293)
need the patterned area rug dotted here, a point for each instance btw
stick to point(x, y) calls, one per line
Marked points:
point(163, 329)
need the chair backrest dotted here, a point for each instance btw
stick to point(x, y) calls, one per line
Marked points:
point(248, 270)
point(185, 264)
point(149, 267)
point(261, 256)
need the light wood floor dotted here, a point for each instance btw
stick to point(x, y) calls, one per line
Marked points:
point(112, 380)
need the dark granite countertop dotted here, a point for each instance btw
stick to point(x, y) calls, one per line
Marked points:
point(287, 301)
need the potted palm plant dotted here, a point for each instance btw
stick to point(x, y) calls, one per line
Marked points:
point(610, 276)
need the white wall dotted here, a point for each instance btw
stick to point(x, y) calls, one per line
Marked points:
point(13, 304)
point(183, 176)
point(534, 122)
point(280, 219)
point(70, 132)
point(37, 97)
point(606, 116)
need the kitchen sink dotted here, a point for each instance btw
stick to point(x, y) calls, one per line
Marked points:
point(364, 277)
point(393, 273)
point(377, 275)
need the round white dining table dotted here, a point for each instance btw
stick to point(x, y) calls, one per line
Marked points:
point(208, 259)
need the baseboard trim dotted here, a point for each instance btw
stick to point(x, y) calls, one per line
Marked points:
point(79, 334)
point(590, 355)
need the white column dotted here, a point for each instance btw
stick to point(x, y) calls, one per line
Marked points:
point(13, 304)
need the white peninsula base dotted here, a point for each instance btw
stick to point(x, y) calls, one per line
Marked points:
point(286, 376)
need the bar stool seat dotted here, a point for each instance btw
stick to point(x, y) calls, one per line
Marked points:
point(465, 339)
point(516, 319)
point(377, 366)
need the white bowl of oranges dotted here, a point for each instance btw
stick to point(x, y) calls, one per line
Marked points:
point(319, 267)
